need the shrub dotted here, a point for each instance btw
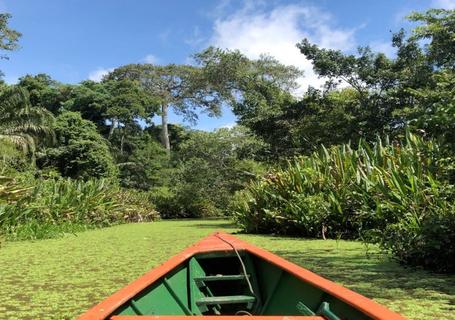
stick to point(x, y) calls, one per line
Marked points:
point(145, 165)
point(425, 238)
point(389, 193)
point(12, 159)
point(10, 190)
point(57, 206)
point(210, 168)
point(81, 152)
point(183, 202)
point(135, 206)
point(35, 230)
point(340, 190)
point(167, 203)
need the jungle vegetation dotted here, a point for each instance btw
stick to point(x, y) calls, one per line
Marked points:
point(370, 156)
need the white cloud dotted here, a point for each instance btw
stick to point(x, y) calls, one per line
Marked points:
point(443, 4)
point(229, 125)
point(98, 74)
point(150, 58)
point(276, 32)
point(384, 47)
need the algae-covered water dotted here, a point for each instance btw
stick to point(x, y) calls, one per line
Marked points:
point(61, 278)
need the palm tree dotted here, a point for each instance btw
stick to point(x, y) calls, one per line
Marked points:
point(20, 123)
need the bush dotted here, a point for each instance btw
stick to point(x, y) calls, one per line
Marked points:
point(81, 153)
point(12, 159)
point(181, 202)
point(35, 230)
point(372, 193)
point(424, 239)
point(210, 168)
point(166, 203)
point(135, 206)
point(57, 206)
point(145, 165)
point(341, 191)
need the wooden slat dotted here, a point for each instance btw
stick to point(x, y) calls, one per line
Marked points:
point(225, 300)
point(221, 277)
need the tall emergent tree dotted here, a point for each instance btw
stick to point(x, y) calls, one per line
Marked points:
point(255, 89)
point(111, 104)
point(218, 77)
point(127, 102)
point(183, 88)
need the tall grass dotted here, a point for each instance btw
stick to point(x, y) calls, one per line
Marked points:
point(65, 205)
point(10, 191)
point(343, 192)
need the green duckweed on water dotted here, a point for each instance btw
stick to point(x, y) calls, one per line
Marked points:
point(61, 278)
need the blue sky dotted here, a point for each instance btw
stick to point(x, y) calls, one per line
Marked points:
point(73, 40)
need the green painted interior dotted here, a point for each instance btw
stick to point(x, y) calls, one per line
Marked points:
point(214, 284)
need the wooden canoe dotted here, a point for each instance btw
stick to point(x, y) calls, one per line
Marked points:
point(222, 277)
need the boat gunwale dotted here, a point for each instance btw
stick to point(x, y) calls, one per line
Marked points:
point(218, 242)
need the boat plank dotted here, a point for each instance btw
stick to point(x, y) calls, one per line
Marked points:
point(225, 300)
point(221, 278)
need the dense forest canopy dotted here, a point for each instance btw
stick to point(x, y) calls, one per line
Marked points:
point(98, 141)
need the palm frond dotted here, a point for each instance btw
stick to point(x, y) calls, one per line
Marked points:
point(20, 123)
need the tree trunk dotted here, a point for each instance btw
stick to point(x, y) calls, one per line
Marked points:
point(122, 141)
point(111, 129)
point(164, 130)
